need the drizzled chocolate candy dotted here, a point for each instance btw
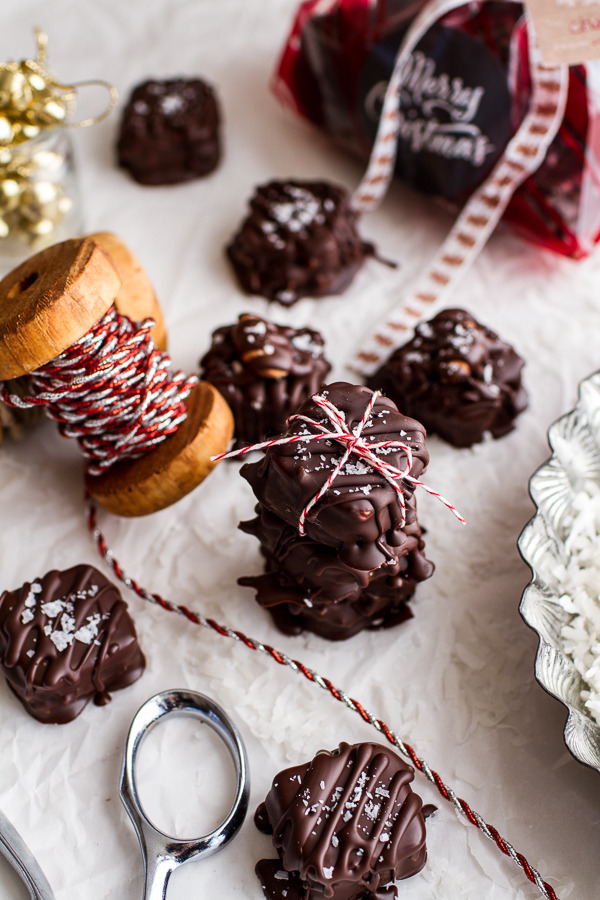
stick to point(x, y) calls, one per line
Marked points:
point(170, 131)
point(458, 377)
point(264, 371)
point(299, 240)
point(345, 826)
point(361, 513)
point(306, 587)
point(64, 639)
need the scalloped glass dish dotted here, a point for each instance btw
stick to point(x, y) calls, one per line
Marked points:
point(573, 468)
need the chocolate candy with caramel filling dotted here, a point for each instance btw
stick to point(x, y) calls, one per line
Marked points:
point(264, 371)
point(170, 131)
point(64, 639)
point(360, 514)
point(299, 240)
point(345, 826)
point(458, 377)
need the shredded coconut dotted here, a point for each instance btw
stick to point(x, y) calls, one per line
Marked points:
point(579, 581)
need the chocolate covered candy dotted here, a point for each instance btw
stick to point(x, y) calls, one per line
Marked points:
point(299, 240)
point(306, 587)
point(316, 569)
point(361, 514)
point(170, 131)
point(65, 639)
point(345, 826)
point(383, 604)
point(458, 377)
point(264, 371)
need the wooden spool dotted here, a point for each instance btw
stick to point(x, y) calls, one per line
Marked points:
point(51, 301)
point(136, 300)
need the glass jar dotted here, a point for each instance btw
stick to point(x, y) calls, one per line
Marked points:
point(39, 195)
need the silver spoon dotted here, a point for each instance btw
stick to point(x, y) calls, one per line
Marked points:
point(161, 852)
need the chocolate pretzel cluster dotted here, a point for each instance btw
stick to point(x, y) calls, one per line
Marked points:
point(264, 371)
point(362, 552)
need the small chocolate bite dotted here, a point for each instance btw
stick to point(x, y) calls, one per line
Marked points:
point(170, 131)
point(361, 513)
point(458, 377)
point(264, 371)
point(345, 826)
point(65, 639)
point(299, 240)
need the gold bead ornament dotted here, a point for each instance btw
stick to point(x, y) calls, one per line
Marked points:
point(39, 203)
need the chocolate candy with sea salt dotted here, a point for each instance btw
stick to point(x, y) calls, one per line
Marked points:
point(361, 513)
point(299, 240)
point(170, 131)
point(345, 826)
point(458, 376)
point(67, 638)
point(264, 371)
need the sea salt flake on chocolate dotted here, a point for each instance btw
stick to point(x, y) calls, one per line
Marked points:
point(357, 468)
point(67, 623)
point(53, 608)
point(171, 103)
point(87, 633)
point(372, 810)
point(61, 640)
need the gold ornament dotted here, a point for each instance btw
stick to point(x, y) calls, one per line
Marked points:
point(36, 166)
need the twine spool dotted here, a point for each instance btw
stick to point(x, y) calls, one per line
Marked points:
point(136, 300)
point(51, 302)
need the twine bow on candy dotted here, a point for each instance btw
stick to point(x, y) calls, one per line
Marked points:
point(335, 428)
point(33, 100)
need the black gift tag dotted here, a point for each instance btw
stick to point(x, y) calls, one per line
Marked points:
point(455, 109)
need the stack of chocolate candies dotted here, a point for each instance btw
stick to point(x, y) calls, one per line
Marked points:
point(337, 525)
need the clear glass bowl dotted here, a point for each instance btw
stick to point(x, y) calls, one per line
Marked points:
point(39, 195)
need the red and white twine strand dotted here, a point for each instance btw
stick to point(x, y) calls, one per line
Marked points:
point(282, 659)
point(113, 391)
point(335, 428)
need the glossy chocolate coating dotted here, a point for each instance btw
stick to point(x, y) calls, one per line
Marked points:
point(360, 514)
point(315, 569)
point(64, 639)
point(170, 131)
point(299, 240)
point(458, 377)
point(345, 826)
point(264, 371)
point(383, 604)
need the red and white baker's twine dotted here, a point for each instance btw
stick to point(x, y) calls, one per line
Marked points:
point(460, 805)
point(335, 428)
point(112, 391)
point(480, 216)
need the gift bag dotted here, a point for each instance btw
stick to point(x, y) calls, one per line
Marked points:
point(464, 93)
